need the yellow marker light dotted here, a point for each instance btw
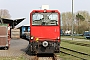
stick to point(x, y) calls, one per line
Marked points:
point(37, 39)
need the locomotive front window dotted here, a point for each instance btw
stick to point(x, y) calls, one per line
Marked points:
point(45, 19)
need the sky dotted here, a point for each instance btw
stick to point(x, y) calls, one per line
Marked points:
point(22, 8)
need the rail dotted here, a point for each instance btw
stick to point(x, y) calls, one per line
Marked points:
point(78, 43)
point(40, 56)
point(67, 51)
point(54, 57)
point(51, 57)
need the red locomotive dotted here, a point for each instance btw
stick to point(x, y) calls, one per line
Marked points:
point(44, 31)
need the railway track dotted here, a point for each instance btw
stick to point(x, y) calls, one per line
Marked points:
point(40, 58)
point(29, 56)
point(78, 43)
point(45, 58)
point(75, 53)
point(50, 57)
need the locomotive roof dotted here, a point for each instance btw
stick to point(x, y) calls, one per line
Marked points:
point(40, 11)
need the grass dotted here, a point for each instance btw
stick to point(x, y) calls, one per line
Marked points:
point(12, 58)
point(77, 42)
point(67, 57)
point(79, 37)
point(74, 47)
point(76, 54)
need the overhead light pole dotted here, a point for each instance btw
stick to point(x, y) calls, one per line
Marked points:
point(72, 19)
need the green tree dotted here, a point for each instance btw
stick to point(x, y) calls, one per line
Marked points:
point(79, 18)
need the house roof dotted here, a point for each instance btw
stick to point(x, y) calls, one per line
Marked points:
point(12, 22)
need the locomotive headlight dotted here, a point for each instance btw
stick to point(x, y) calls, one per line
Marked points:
point(45, 43)
point(32, 37)
point(58, 37)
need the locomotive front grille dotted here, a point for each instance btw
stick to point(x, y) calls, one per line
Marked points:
point(44, 46)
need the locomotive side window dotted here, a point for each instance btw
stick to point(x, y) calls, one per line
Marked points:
point(45, 19)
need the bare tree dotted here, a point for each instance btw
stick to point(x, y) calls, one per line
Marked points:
point(67, 20)
point(81, 21)
point(4, 13)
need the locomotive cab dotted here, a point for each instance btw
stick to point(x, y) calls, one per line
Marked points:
point(44, 31)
